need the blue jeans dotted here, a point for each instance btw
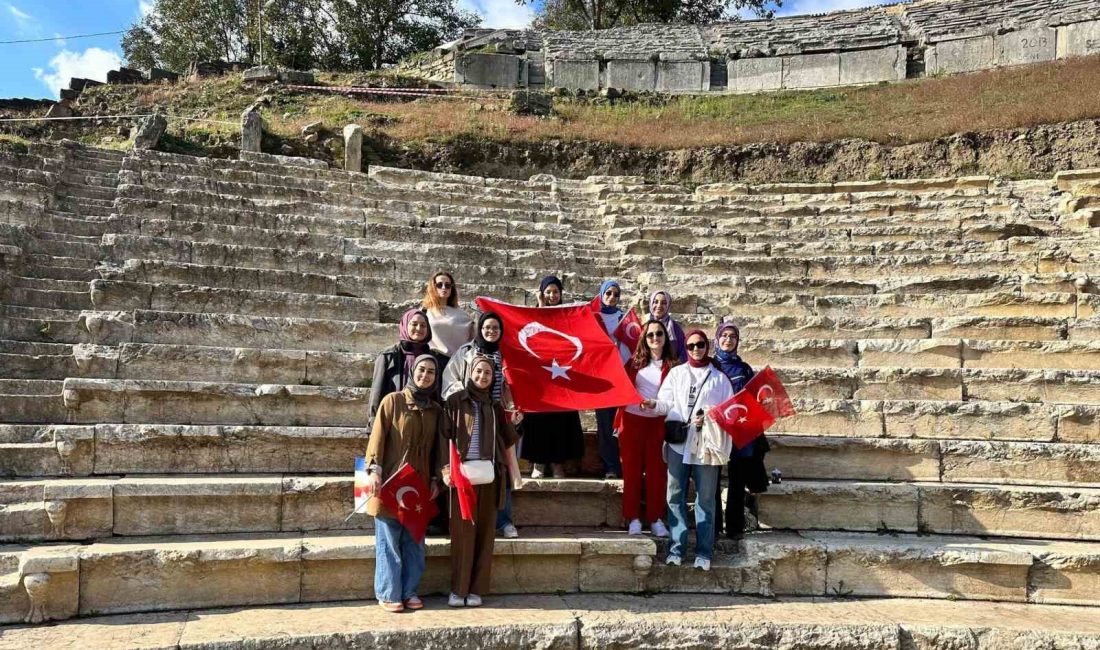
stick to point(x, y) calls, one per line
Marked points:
point(706, 482)
point(399, 561)
point(607, 443)
point(504, 515)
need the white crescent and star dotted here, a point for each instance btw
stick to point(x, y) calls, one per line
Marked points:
point(633, 330)
point(401, 496)
point(555, 369)
point(760, 397)
point(736, 407)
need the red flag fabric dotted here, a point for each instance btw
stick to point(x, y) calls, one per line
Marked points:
point(410, 499)
point(560, 359)
point(467, 497)
point(629, 331)
point(742, 417)
point(770, 393)
point(595, 304)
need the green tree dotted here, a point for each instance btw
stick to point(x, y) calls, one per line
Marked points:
point(603, 14)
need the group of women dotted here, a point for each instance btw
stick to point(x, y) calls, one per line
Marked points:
point(442, 385)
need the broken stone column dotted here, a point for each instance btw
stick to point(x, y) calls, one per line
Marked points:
point(252, 130)
point(353, 148)
point(149, 131)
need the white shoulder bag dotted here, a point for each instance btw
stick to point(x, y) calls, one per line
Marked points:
point(481, 472)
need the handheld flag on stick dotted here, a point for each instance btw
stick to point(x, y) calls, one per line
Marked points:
point(362, 487)
point(467, 497)
point(742, 418)
point(408, 497)
point(629, 331)
point(770, 393)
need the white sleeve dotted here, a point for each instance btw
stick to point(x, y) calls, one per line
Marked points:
point(666, 398)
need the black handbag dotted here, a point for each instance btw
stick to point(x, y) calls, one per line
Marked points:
point(675, 432)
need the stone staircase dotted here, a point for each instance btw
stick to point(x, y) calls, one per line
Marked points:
point(186, 346)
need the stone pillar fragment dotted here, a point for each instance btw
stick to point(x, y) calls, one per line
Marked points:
point(252, 130)
point(149, 131)
point(353, 148)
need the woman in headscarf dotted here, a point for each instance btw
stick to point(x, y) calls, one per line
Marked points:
point(393, 367)
point(452, 327)
point(480, 432)
point(486, 343)
point(699, 450)
point(746, 466)
point(407, 429)
point(641, 433)
point(551, 439)
point(608, 444)
point(660, 308)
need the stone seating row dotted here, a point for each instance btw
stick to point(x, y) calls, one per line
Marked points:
point(36, 450)
point(146, 574)
point(35, 509)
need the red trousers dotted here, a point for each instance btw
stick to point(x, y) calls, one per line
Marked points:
point(640, 444)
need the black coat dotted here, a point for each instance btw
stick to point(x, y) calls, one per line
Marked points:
point(389, 375)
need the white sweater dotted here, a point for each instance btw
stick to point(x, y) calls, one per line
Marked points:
point(451, 329)
point(673, 399)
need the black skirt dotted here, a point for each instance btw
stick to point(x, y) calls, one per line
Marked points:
point(552, 437)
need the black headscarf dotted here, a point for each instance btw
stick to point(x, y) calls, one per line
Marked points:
point(483, 346)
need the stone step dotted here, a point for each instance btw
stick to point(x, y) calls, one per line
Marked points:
point(574, 622)
point(28, 360)
point(805, 327)
point(92, 508)
point(31, 401)
point(858, 267)
point(47, 283)
point(977, 420)
point(181, 402)
point(94, 179)
point(44, 330)
point(1071, 513)
point(104, 449)
point(368, 278)
point(126, 296)
point(953, 384)
point(50, 298)
point(84, 191)
point(233, 570)
point(928, 460)
point(85, 264)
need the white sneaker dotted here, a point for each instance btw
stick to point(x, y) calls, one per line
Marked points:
point(456, 601)
point(658, 529)
point(674, 560)
point(635, 527)
point(473, 600)
point(509, 531)
point(536, 471)
point(702, 563)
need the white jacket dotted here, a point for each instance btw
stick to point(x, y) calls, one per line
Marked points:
point(673, 403)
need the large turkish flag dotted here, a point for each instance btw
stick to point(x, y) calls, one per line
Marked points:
point(408, 497)
point(560, 359)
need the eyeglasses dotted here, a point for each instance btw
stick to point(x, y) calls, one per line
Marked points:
point(696, 346)
point(443, 285)
point(655, 335)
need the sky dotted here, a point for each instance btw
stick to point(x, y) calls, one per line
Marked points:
point(41, 69)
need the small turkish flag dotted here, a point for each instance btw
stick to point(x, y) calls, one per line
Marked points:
point(742, 418)
point(410, 500)
point(769, 391)
point(467, 496)
point(629, 331)
point(560, 359)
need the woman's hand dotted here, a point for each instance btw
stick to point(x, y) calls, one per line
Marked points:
point(435, 489)
point(446, 472)
point(374, 482)
point(698, 421)
point(648, 404)
point(517, 417)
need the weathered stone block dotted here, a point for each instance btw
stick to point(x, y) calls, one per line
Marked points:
point(547, 502)
point(1055, 513)
point(193, 505)
point(872, 459)
point(48, 588)
point(811, 70)
point(1079, 39)
point(488, 70)
point(1032, 45)
point(968, 421)
point(1021, 463)
point(632, 75)
point(673, 76)
point(353, 148)
point(872, 66)
point(834, 418)
point(1066, 573)
point(252, 130)
point(579, 75)
point(810, 505)
point(320, 503)
point(963, 55)
point(925, 353)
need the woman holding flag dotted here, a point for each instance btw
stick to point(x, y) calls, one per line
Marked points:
point(610, 315)
point(406, 431)
point(696, 448)
point(481, 444)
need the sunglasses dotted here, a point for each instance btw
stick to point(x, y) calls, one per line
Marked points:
point(696, 346)
point(614, 294)
point(443, 285)
point(655, 335)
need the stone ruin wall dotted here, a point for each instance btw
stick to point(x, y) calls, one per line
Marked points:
point(865, 46)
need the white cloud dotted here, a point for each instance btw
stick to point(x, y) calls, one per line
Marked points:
point(25, 24)
point(92, 63)
point(795, 7)
point(500, 13)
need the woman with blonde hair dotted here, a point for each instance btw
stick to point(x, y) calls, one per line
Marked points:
point(452, 327)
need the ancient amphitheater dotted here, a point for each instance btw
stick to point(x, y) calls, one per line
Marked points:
point(185, 345)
